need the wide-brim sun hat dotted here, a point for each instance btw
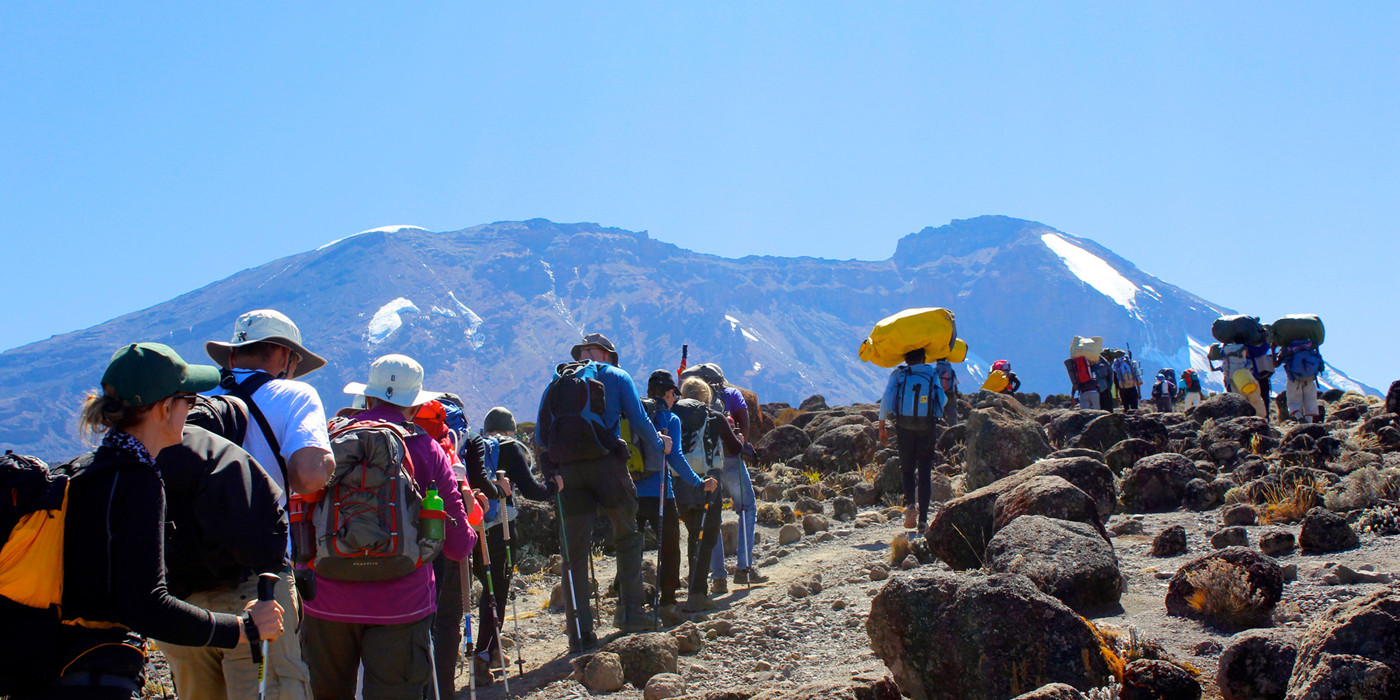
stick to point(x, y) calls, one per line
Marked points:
point(596, 340)
point(396, 379)
point(266, 326)
point(144, 373)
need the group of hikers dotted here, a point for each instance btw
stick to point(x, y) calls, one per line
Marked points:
point(920, 396)
point(273, 552)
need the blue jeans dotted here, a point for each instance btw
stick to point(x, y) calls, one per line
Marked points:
point(735, 478)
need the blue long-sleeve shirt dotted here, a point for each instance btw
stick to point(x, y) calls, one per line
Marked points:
point(651, 485)
point(622, 401)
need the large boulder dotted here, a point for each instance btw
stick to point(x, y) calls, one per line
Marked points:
point(1102, 433)
point(1000, 442)
point(1352, 650)
point(536, 529)
point(842, 448)
point(783, 443)
point(1232, 588)
point(1065, 427)
point(1156, 484)
point(961, 529)
point(1125, 454)
point(1256, 665)
point(1222, 406)
point(644, 655)
point(947, 636)
point(1053, 691)
point(1071, 561)
point(1050, 496)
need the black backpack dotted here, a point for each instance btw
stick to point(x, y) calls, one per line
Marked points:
point(699, 431)
point(570, 422)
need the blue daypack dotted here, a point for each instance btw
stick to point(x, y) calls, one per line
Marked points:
point(919, 397)
point(491, 461)
point(1304, 361)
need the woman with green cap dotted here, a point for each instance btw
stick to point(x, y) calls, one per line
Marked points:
point(114, 592)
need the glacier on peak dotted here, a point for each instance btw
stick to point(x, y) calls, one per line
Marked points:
point(1094, 271)
point(386, 320)
point(381, 229)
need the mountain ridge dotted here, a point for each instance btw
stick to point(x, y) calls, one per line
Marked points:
point(490, 309)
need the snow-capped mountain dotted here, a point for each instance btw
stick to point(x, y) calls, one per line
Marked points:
point(491, 309)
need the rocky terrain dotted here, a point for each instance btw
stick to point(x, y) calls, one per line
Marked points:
point(1071, 554)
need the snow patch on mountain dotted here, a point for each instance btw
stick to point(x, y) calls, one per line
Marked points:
point(473, 322)
point(381, 229)
point(736, 325)
point(388, 319)
point(1094, 271)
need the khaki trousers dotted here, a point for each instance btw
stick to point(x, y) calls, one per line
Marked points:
point(207, 673)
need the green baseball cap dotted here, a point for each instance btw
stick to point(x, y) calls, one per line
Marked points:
point(144, 373)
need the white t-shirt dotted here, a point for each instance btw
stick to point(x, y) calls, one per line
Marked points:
point(294, 412)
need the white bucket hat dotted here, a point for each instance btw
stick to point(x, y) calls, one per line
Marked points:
point(397, 379)
point(265, 326)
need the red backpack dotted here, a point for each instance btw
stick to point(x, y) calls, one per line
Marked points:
point(1079, 368)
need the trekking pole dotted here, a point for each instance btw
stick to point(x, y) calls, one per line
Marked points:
point(491, 595)
point(267, 589)
point(510, 574)
point(660, 537)
point(464, 568)
point(700, 541)
point(570, 603)
point(432, 663)
point(501, 623)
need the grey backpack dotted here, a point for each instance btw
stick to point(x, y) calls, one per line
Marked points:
point(367, 523)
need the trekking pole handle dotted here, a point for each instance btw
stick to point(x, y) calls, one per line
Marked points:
point(267, 586)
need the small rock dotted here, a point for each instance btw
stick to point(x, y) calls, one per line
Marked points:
point(843, 508)
point(1131, 525)
point(1240, 514)
point(797, 590)
point(813, 523)
point(879, 573)
point(838, 604)
point(1170, 542)
point(1276, 542)
point(909, 563)
point(1206, 648)
point(663, 686)
point(1290, 572)
point(603, 673)
point(1325, 531)
point(1234, 536)
point(788, 534)
point(688, 638)
point(1149, 679)
point(825, 537)
point(1342, 575)
point(762, 666)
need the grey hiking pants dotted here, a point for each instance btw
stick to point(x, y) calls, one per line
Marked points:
point(590, 485)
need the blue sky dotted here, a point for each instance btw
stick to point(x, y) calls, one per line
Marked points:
point(1244, 151)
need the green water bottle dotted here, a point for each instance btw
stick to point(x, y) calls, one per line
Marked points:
point(432, 518)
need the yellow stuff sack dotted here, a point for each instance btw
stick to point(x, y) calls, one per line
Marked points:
point(996, 381)
point(31, 562)
point(932, 329)
point(959, 351)
point(1244, 382)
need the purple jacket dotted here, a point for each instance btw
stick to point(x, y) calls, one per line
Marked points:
point(412, 597)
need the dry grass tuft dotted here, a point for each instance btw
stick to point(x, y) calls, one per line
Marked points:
point(813, 476)
point(1288, 504)
point(900, 548)
point(1222, 592)
point(786, 416)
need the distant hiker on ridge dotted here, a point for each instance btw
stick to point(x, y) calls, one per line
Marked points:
point(1164, 390)
point(1191, 390)
point(914, 400)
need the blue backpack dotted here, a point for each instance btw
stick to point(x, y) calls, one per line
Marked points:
point(570, 426)
point(919, 397)
point(491, 461)
point(1304, 361)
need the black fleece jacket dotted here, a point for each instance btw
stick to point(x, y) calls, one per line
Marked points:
point(113, 556)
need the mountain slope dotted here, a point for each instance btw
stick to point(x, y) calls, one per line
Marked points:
point(491, 309)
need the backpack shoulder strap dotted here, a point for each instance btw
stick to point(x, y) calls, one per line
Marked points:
point(245, 390)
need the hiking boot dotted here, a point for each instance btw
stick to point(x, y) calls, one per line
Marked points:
point(699, 603)
point(749, 577)
point(911, 517)
point(639, 622)
point(670, 615)
point(485, 674)
point(589, 641)
point(719, 586)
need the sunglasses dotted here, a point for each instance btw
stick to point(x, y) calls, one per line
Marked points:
point(187, 398)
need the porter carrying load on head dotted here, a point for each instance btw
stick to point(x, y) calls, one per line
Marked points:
point(932, 330)
point(1083, 366)
point(1297, 338)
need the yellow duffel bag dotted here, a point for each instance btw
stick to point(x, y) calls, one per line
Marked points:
point(933, 330)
